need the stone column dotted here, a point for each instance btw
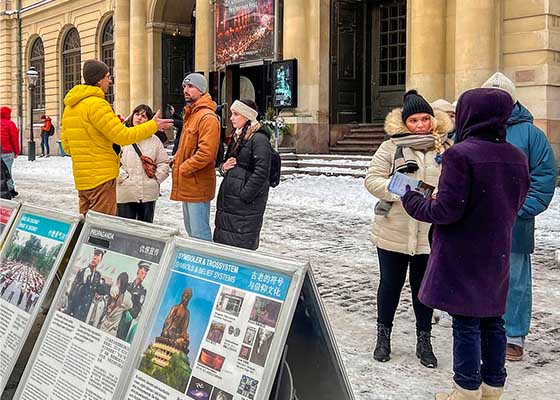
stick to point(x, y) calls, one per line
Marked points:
point(7, 70)
point(139, 87)
point(427, 48)
point(475, 43)
point(304, 38)
point(121, 21)
point(204, 39)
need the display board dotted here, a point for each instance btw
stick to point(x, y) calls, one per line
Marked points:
point(244, 31)
point(29, 259)
point(284, 84)
point(219, 330)
point(99, 311)
point(8, 212)
point(312, 355)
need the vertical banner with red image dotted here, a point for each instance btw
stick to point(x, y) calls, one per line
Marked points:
point(244, 31)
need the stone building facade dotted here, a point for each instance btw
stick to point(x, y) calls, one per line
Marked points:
point(355, 57)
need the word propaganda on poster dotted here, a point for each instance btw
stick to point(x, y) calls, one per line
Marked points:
point(27, 262)
point(98, 310)
point(212, 333)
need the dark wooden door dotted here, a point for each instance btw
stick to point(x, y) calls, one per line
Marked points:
point(347, 61)
point(177, 62)
point(388, 76)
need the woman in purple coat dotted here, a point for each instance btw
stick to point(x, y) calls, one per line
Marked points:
point(483, 184)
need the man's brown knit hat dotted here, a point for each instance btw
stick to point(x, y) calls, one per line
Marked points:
point(94, 71)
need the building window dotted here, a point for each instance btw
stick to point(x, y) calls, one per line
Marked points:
point(37, 60)
point(392, 57)
point(71, 60)
point(107, 56)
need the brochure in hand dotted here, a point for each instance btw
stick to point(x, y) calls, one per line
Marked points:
point(400, 181)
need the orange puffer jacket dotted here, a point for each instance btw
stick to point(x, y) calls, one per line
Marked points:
point(194, 176)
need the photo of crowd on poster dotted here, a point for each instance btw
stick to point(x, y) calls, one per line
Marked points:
point(244, 30)
point(25, 267)
point(107, 290)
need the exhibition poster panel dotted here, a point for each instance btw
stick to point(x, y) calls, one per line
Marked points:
point(97, 312)
point(211, 336)
point(28, 262)
point(8, 211)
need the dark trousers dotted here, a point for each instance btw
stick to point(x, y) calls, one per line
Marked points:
point(140, 211)
point(45, 145)
point(479, 351)
point(393, 267)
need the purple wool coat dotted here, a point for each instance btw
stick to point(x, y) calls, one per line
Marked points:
point(483, 184)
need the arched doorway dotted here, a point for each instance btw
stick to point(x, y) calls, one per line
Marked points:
point(173, 23)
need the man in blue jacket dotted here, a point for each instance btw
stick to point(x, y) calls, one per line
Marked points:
point(542, 167)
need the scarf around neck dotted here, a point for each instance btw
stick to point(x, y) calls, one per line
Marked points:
point(404, 161)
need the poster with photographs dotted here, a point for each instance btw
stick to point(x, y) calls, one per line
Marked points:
point(213, 330)
point(244, 30)
point(8, 212)
point(97, 312)
point(28, 263)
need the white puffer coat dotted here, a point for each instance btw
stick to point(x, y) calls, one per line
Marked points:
point(396, 231)
point(133, 185)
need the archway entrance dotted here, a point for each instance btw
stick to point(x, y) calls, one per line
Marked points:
point(173, 24)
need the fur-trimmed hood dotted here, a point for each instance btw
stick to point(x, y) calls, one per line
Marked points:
point(395, 125)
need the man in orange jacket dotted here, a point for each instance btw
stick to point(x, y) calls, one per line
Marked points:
point(194, 177)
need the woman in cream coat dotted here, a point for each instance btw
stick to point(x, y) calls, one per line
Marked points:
point(136, 192)
point(418, 137)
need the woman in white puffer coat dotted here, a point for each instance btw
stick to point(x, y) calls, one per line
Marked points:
point(418, 137)
point(136, 192)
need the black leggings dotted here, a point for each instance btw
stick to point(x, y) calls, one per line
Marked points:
point(393, 267)
point(140, 211)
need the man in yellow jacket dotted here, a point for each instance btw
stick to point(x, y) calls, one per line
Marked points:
point(89, 129)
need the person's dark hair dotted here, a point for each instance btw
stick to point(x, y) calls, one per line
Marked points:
point(122, 279)
point(139, 108)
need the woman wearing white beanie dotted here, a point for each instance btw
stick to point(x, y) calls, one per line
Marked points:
point(244, 191)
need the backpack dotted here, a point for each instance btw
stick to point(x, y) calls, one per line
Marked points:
point(51, 131)
point(275, 167)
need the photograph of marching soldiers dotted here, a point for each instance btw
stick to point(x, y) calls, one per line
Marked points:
point(25, 267)
point(107, 290)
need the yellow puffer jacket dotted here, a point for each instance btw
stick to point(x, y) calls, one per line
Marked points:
point(397, 231)
point(89, 129)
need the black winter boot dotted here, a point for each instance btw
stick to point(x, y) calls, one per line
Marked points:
point(424, 349)
point(382, 350)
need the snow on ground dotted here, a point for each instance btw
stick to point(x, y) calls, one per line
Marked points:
point(326, 220)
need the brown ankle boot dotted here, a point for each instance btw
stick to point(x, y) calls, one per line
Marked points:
point(459, 393)
point(491, 392)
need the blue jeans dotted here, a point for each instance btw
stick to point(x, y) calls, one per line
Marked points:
point(8, 158)
point(197, 220)
point(45, 145)
point(519, 301)
point(479, 351)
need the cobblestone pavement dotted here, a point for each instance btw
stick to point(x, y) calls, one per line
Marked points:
point(327, 221)
point(345, 266)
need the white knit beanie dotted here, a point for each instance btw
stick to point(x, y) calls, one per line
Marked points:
point(243, 109)
point(500, 81)
point(443, 105)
